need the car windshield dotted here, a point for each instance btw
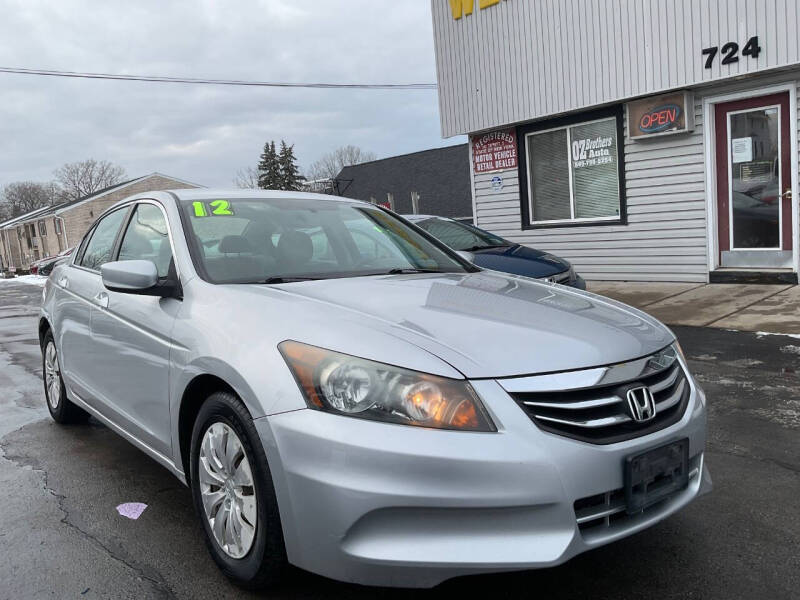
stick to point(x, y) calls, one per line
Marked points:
point(266, 240)
point(461, 236)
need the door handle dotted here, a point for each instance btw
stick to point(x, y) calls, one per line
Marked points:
point(63, 282)
point(787, 194)
point(101, 300)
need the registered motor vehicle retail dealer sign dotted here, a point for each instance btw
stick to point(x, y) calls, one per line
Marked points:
point(494, 151)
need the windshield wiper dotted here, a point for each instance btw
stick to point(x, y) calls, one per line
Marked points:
point(411, 271)
point(485, 247)
point(278, 279)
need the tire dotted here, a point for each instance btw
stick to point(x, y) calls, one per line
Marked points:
point(61, 408)
point(221, 491)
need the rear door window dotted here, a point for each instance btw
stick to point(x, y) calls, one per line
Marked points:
point(101, 243)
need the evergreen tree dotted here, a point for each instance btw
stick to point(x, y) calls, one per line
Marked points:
point(269, 172)
point(289, 173)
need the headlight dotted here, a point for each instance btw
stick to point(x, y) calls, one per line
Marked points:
point(664, 359)
point(357, 387)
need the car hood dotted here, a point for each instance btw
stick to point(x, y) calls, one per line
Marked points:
point(519, 260)
point(488, 324)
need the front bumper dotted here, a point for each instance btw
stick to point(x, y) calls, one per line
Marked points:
point(393, 505)
point(568, 278)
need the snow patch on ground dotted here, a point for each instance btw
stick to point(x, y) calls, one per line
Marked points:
point(790, 349)
point(704, 357)
point(786, 417)
point(791, 335)
point(29, 279)
point(745, 362)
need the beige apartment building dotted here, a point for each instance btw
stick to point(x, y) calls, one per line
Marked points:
point(50, 230)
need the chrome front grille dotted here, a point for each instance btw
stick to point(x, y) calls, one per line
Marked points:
point(592, 406)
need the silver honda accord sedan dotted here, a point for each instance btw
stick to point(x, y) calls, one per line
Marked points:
point(342, 392)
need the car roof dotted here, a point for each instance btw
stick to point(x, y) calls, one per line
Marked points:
point(423, 217)
point(211, 194)
point(230, 193)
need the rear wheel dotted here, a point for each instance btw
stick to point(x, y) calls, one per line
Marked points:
point(233, 494)
point(61, 408)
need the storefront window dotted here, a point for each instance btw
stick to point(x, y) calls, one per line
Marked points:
point(573, 173)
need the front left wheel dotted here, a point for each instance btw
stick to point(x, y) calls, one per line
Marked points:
point(234, 495)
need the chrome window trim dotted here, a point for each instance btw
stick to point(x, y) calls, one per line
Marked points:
point(169, 229)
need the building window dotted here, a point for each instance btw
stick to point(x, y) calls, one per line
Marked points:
point(42, 229)
point(574, 173)
point(57, 225)
point(415, 202)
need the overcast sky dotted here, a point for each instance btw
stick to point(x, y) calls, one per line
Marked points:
point(205, 133)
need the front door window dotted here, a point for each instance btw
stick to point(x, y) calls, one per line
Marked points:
point(147, 238)
point(101, 243)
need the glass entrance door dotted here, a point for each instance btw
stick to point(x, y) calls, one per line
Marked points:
point(753, 183)
point(755, 178)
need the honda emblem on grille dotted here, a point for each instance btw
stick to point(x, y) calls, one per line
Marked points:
point(641, 403)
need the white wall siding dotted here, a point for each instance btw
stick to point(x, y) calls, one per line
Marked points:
point(521, 60)
point(666, 235)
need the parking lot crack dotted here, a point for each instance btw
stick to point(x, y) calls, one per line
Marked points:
point(148, 575)
point(736, 453)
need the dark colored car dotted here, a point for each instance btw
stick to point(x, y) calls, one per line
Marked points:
point(34, 268)
point(490, 251)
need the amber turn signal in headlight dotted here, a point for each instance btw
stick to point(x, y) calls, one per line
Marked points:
point(347, 385)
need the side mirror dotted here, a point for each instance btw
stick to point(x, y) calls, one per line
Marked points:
point(136, 277)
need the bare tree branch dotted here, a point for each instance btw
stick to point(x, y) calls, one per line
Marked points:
point(79, 179)
point(246, 179)
point(22, 197)
point(329, 166)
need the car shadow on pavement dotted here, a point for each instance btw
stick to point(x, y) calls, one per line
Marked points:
point(92, 470)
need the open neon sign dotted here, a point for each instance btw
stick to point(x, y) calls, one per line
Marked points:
point(660, 119)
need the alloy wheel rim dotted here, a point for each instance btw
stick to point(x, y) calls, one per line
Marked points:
point(227, 490)
point(52, 375)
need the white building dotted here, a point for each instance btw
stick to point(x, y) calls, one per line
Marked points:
point(640, 139)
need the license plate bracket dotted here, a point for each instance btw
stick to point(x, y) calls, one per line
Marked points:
point(656, 474)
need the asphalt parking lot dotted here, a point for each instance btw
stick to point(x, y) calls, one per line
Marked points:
point(60, 535)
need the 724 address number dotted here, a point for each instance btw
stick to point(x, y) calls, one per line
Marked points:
point(731, 52)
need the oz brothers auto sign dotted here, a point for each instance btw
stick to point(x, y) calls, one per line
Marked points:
point(494, 151)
